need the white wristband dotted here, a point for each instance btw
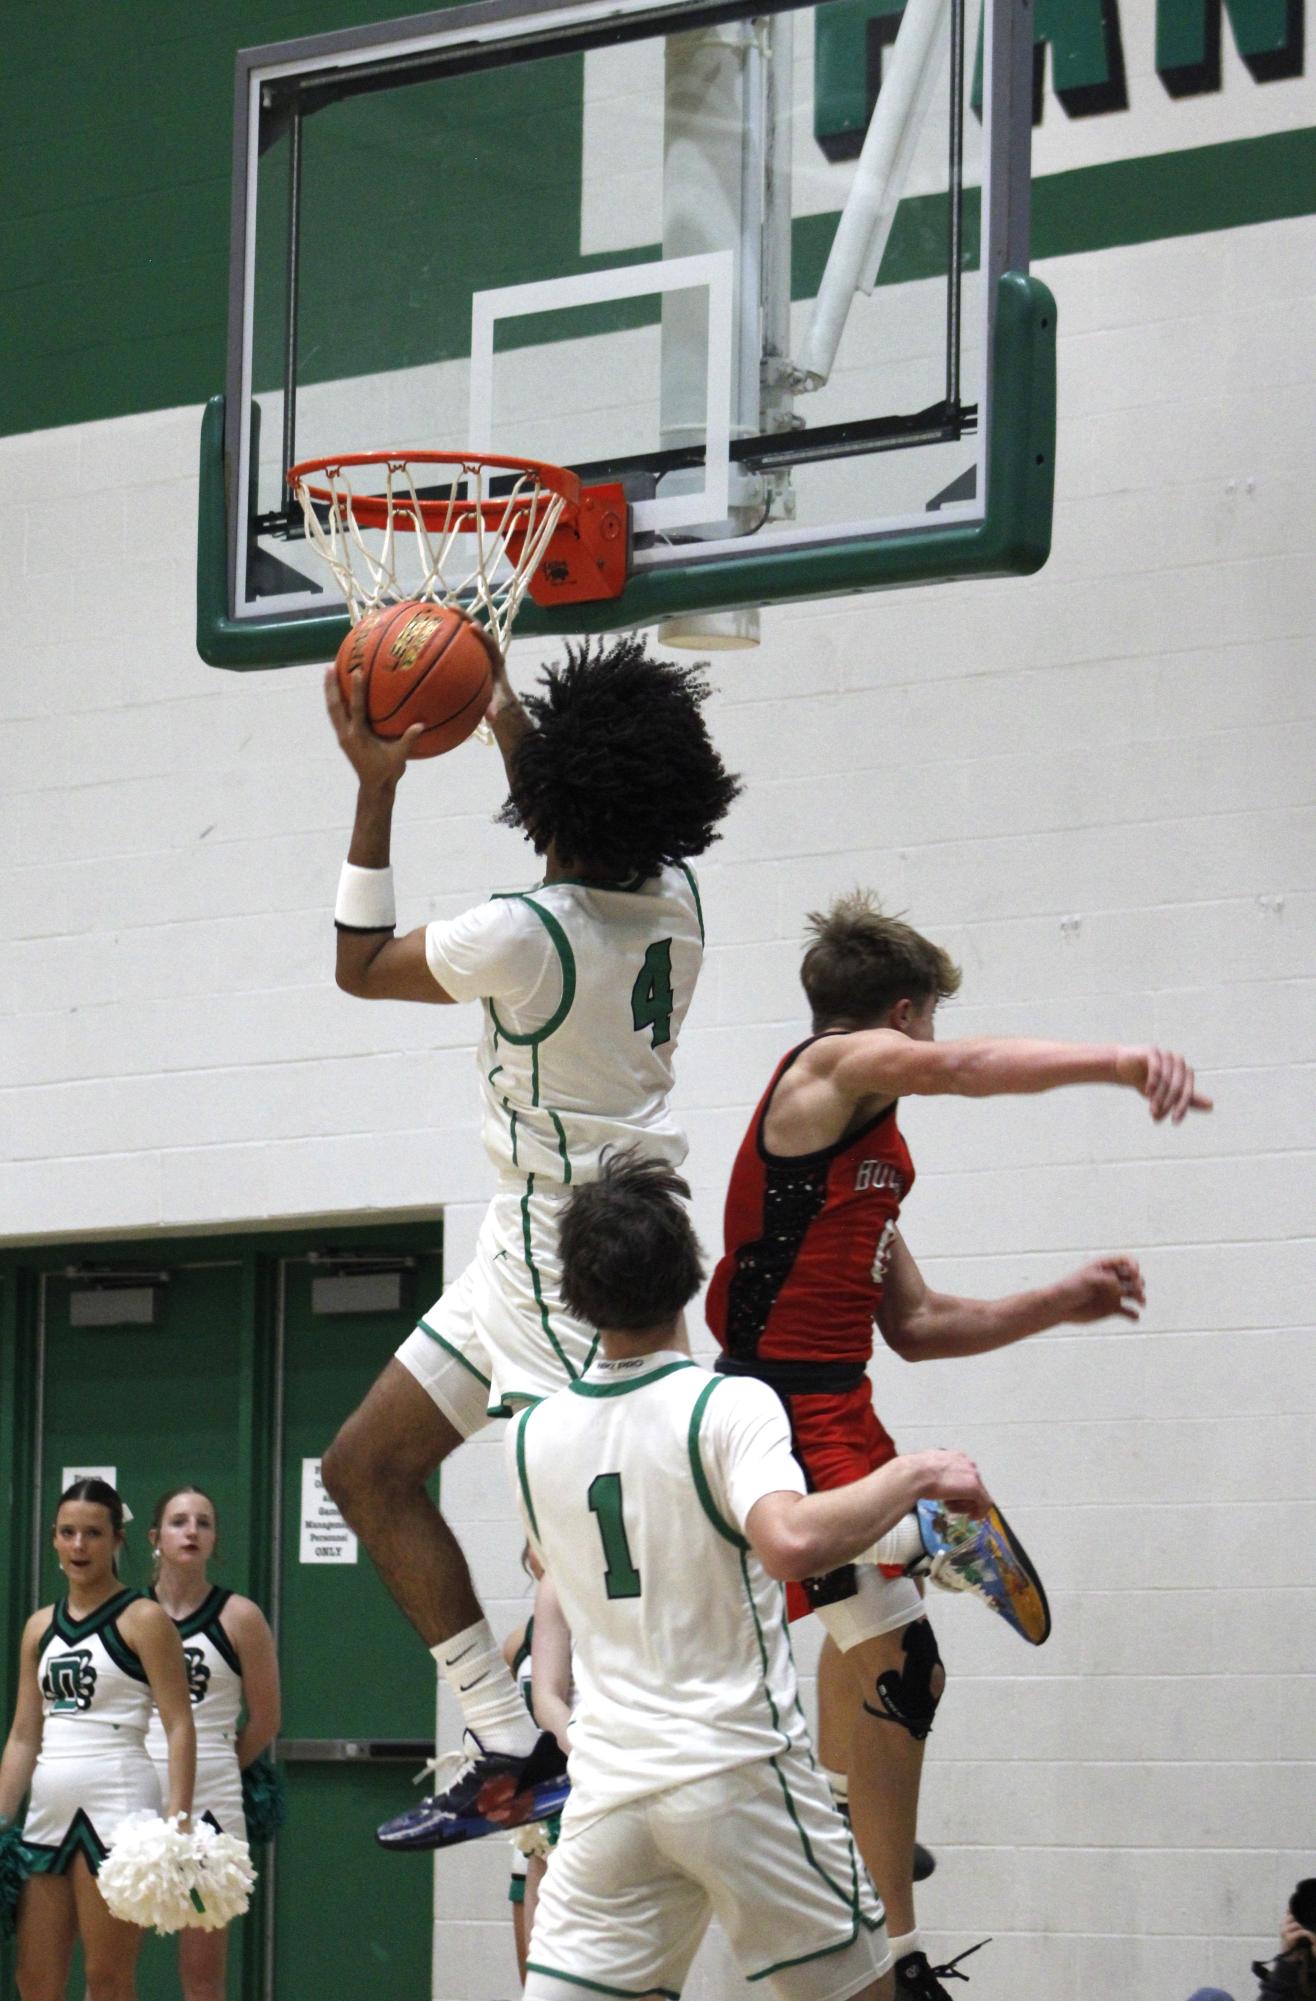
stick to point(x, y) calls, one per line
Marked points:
point(365, 899)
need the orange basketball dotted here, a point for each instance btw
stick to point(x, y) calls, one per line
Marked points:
point(422, 663)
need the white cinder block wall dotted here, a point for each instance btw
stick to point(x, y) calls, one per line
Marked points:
point(1094, 787)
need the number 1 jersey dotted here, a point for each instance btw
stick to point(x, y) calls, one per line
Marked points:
point(636, 1483)
point(584, 988)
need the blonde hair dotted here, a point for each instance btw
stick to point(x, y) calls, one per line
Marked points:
point(158, 1515)
point(861, 962)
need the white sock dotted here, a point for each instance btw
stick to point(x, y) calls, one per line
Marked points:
point(903, 1544)
point(902, 1947)
point(491, 1703)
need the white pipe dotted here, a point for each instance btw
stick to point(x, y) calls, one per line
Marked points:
point(704, 136)
point(715, 110)
point(861, 234)
point(776, 405)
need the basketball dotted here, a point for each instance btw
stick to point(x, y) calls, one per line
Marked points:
point(422, 663)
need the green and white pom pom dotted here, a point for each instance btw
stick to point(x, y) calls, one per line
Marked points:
point(148, 1875)
point(165, 1880)
point(224, 1878)
point(15, 1868)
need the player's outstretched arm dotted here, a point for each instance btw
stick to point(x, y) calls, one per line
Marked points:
point(881, 1062)
point(921, 1325)
point(371, 961)
point(802, 1535)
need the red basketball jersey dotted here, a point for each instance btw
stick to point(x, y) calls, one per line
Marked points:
point(807, 1241)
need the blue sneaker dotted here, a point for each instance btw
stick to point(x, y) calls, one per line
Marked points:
point(490, 1792)
point(986, 1558)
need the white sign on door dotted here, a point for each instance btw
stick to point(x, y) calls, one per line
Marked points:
point(326, 1538)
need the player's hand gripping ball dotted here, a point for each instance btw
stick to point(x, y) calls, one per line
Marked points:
point(421, 663)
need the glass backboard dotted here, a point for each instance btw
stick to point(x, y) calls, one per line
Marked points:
point(766, 269)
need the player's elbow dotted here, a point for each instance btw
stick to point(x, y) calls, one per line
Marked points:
point(904, 1343)
point(788, 1553)
point(351, 980)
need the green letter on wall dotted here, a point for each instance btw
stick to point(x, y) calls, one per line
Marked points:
point(1087, 57)
point(1267, 35)
point(848, 39)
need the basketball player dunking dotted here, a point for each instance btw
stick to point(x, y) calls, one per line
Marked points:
point(584, 982)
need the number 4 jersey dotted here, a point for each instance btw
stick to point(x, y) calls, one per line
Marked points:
point(584, 987)
point(636, 1483)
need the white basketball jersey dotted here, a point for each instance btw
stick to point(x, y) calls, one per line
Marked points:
point(635, 1483)
point(581, 1060)
point(93, 1686)
point(214, 1680)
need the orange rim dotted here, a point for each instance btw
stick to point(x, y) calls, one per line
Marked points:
point(374, 510)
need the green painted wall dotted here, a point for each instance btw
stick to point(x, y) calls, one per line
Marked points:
point(115, 160)
point(116, 165)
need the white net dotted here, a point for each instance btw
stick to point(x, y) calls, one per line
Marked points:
point(450, 541)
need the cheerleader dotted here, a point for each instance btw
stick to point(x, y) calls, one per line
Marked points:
point(231, 1665)
point(90, 1668)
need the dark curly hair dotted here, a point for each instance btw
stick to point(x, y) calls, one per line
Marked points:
point(630, 1257)
point(619, 773)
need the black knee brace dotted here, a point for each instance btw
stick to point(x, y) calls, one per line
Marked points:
point(908, 1695)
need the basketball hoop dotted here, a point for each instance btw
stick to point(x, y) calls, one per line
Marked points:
point(453, 540)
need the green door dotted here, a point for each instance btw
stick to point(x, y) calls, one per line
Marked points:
point(359, 1686)
point(230, 1363)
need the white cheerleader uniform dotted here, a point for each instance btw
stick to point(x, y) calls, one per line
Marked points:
point(93, 1768)
point(214, 1678)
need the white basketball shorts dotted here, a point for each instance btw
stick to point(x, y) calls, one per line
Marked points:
point(499, 1335)
point(629, 1894)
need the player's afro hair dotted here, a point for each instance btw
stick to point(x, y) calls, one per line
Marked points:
point(630, 1257)
point(619, 772)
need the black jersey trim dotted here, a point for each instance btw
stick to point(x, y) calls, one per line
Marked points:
point(796, 1379)
point(80, 1838)
point(210, 1608)
point(73, 1630)
point(206, 1620)
point(214, 1631)
point(125, 1658)
point(785, 1162)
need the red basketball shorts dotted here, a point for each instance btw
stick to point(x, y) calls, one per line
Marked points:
point(837, 1438)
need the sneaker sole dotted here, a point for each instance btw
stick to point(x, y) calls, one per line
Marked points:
point(525, 1809)
point(1025, 1592)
